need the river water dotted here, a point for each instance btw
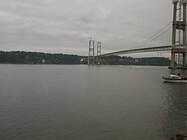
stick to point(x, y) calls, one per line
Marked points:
point(78, 102)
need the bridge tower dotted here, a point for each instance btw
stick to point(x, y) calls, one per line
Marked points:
point(91, 54)
point(98, 53)
point(179, 47)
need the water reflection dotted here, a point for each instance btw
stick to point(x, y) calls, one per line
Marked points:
point(174, 108)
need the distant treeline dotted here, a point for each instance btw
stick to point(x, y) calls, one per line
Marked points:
point(118, 60)
point(21, 57)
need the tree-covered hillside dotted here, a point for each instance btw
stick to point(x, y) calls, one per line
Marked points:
point(21, 57)
point(118, 60)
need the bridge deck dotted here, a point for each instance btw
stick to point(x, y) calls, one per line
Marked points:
point(150, 49)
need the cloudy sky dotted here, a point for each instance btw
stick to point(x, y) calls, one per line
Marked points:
point(64, 26)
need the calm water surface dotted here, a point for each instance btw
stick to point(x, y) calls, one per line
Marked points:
point(62, 102)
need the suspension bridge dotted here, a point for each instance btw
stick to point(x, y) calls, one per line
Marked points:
point(171, 37)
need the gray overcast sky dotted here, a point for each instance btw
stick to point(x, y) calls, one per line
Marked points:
point(64, 26)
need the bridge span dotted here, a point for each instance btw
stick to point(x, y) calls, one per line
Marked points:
point(177, 45)
point(140, 50)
